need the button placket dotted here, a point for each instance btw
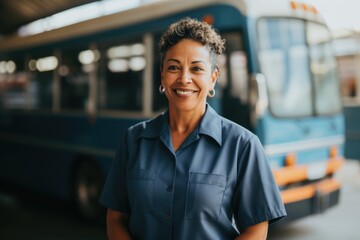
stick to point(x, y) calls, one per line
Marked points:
point(167, 190)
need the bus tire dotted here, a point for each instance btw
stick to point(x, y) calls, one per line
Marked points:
point(88, 183)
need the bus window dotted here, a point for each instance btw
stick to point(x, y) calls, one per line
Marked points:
point(42, 69)
point(284, 61)
point(74, 75)
point(15, 85)
point(323, 68)
point(121, 83)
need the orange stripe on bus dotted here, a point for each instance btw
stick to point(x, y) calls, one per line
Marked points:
point(305, 192)
point(298, 173)
point(335, 164)
point(298, 194)
point(327, 186)
point(290, 174)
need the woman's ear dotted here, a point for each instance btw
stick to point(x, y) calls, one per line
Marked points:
point(214, 76)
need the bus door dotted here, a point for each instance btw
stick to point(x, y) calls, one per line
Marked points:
point(231, 99)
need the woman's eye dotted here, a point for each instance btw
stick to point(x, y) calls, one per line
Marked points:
point(197, 69)
point(172, 68)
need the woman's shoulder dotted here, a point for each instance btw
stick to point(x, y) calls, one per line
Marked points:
point(150, 127)
point(232, 129)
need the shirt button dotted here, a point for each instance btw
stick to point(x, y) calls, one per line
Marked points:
point(169, 188)
point(167, 216)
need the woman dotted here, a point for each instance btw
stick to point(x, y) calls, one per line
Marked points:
point(190, 173)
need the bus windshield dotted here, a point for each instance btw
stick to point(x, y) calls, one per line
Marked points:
point(296, 58)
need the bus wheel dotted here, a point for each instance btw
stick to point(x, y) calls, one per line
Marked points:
point(88, 185)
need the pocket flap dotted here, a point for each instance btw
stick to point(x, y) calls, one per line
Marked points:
point(207, 178)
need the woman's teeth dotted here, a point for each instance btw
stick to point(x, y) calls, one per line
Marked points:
point(182, 92)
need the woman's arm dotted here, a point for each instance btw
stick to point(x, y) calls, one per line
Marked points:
point(117, 225)
point(255, 232)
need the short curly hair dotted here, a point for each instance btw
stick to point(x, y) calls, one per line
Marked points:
point(188, 28)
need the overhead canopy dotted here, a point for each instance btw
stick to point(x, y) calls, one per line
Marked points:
point(16, 13)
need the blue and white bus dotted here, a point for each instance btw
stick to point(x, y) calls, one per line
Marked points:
point(66, 95)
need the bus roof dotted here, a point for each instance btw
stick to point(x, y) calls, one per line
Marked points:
point(251, 8)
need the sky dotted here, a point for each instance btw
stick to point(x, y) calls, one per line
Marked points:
point(340, 14)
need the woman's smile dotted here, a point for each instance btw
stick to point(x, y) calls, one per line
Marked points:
point(184, 92)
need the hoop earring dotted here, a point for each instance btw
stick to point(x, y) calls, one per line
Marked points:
point(161, 89)
point(211, 93)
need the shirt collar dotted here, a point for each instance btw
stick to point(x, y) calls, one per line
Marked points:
point(210, 125)
point(156, 127)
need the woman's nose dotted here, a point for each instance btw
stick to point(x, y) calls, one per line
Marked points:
point(185, 77)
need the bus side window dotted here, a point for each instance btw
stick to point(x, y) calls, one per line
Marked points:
point(74, 79)
point(234, 79)
point(42, 69)
point(122, 69)
point(15, 85)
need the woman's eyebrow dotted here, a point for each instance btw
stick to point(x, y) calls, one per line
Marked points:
point(173, 60)
point(199, 61)
point(193, 62)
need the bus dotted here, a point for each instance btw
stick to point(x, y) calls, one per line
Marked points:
point(347, 52)
point(68, 94)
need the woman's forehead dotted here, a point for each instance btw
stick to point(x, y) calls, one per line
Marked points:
point(187, 48)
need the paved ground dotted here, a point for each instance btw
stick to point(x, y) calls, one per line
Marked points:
point(36, 219)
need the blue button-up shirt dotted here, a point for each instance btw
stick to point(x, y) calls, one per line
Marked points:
point(218, 181)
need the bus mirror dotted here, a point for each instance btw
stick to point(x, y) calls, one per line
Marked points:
point(258, 96)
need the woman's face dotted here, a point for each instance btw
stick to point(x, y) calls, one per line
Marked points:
point(187, 77)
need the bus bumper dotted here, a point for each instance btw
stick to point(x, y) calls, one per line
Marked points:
point(304, 195)
point(311, 199)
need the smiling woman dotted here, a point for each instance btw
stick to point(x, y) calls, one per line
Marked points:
point(107, 78)
point(190, 151)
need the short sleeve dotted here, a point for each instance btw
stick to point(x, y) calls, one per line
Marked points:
point(257, 197)
point(114, 195)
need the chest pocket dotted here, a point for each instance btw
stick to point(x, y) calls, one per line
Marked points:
point(140, 185)
point(204, 196)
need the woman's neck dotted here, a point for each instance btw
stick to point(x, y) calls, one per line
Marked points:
point(182, 124)
point(184, 121)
